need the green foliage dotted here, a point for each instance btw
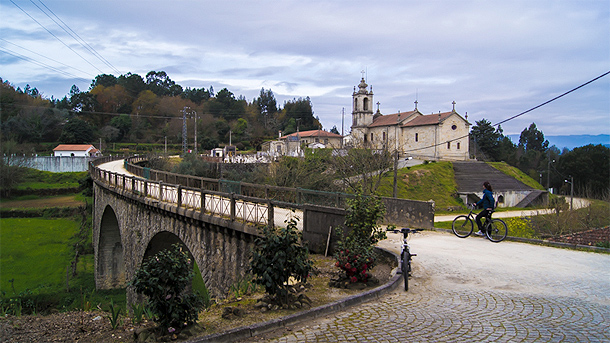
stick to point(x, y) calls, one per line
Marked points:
point(280, 255)
point(590, 167)
point(76, 131)
point(516, 173)
point(520, 227)
point(163, 278)
point(355, 252)
point(138, 313)
point(244, 286)
point(432, 181)
point(310, 172)
point(115, 315)
point(191, 164)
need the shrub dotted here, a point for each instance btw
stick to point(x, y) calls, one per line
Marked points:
point(356, 252)
point(520, 227)
point(280, 255)
point(163, 279)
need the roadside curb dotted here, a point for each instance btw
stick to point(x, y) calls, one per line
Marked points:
point(249, 331)
point(546, 243)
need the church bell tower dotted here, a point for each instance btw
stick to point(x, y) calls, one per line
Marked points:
point(362, 107)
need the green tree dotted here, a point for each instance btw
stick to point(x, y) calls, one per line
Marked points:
point(105, 80)
point(133, 83)
point(301, 110)
point(123, 123)
point(76, 131)
point(532, 139)
point(334, 130)
point(159, 83)
point(486, 138)
point(266, 106)
point(590, 167)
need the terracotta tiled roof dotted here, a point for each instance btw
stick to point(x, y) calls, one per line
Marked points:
point(73, 147)
point(391, 119)
point(314, 133)
point(428, 119)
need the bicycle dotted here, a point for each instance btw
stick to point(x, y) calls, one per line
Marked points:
point(495, 229)
point(405, 255)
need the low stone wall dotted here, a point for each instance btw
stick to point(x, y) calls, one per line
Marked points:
point(409, 213)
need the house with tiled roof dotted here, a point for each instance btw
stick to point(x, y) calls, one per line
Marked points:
point(292, 144)
point(76, 150)
point(438, 136)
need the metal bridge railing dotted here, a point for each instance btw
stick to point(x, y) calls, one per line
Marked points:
point(253, 210)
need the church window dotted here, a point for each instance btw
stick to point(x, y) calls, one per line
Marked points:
point(317, 140)
point(355, 104)
point(371, 136)
point(453, 127)
point(448, 145)
point(417, 137)
point(366, 104)
point(384, 136)
point(458, 145)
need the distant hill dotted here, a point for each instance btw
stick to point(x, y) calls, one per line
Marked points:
point(572, 141)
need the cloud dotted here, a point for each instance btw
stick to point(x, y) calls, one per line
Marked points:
point(494, 58)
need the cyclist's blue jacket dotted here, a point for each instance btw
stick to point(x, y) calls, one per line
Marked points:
point(487, 201)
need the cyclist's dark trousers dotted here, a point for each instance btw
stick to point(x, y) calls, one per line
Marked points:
point(483, 214)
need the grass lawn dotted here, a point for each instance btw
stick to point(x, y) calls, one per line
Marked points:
point(35, 253)
point(37, 179)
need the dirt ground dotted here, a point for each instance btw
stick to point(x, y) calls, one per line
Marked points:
point(94, 326)
point(57, 201)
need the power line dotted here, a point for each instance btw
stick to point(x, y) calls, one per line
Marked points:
point(555, 98)
point(81, 41)
point(26, 49)
point(44, 65)
point(520, 114)
point(52, 34)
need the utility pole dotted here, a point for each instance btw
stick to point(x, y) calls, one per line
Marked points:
point(571, 182)
point(195, 132)
point(184, 132)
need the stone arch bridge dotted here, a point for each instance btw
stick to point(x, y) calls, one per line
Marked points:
point(135, 217)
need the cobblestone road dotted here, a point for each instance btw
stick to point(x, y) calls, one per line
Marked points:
point(472, 290)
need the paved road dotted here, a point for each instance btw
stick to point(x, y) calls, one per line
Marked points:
point(472, 290)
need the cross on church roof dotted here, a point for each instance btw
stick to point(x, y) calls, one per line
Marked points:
point(453, 105)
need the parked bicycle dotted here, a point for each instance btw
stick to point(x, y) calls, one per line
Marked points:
point(406, 255)
point(495, 229)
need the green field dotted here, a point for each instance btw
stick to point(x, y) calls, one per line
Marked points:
point(35, 253)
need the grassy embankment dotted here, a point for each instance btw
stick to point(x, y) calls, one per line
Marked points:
point(39, 239)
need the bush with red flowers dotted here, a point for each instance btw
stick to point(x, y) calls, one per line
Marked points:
point(355, 252)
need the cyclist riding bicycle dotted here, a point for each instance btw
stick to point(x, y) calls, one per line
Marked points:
point(487, 203)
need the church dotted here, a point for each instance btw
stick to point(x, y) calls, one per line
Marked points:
point(439, 136)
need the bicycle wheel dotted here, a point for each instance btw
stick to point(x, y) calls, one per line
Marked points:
point(406, 267)
point(497, 230)
point(462, 226)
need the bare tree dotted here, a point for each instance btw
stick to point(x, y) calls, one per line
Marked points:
point(361, 167)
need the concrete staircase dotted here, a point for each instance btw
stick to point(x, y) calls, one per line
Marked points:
point(471, 175)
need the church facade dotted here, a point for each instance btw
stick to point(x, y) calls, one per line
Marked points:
point(440, 136)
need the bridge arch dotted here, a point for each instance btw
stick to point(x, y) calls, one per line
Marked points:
point(110, 262)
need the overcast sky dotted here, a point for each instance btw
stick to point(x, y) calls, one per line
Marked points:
point(495, 59)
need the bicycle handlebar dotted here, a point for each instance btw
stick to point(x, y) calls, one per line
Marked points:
point(405, 230)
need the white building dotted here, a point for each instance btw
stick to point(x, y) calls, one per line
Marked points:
point(78, 150)
point(439, 136)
